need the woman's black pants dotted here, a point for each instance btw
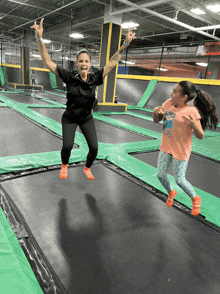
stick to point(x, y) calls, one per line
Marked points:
point(88, 129)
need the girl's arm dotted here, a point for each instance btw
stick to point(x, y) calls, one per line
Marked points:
point(116, 57)
point(42, 48)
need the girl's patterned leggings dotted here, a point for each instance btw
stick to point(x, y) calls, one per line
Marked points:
point(179, 168)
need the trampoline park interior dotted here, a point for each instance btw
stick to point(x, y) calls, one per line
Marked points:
point(113, 235)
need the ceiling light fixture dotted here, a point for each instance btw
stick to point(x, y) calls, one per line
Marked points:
point(202, 64)
point(214, 8)
point(197, 11)
point(76, 36)
point(127, 62)
point(16, 1)
point(162, 69)
point(131, 25)
point(36, 55)
point(66, 58)
point(47, 41)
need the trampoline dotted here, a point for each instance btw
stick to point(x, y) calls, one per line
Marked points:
point(113, 235)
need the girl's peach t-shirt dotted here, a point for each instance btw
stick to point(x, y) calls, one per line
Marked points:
point(177, 134)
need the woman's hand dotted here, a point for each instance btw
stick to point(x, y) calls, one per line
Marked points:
point(129, 37)
point(38, 29)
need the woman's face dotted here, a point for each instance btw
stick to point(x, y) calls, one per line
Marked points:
point(177, 98)
point(83, 64)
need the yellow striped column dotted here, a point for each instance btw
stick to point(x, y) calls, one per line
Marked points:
point(110, 43)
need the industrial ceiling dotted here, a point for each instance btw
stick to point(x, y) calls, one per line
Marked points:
point(161, 23)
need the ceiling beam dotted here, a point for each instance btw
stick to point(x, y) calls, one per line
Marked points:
point(42, 16)
point(196, 4)
point(146, 5)
point(176, 22)
point(45, 5)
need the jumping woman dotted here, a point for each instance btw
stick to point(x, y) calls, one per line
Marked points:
point(81, 86)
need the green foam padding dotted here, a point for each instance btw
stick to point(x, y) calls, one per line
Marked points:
point(38, 160)
point(16, 275)
point(5, 75)
point(2, 78)
point(53, 80)
point(147, 93)
point(208, 146)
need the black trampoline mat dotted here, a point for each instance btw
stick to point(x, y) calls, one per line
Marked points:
point(139, 122)
point(160, 94)
point(20, 136)
point(202, 172)
point(113, 236)
point(111, 134)
point(106, 133)
point(21, 98)
point(52, 113)
point(53, 95)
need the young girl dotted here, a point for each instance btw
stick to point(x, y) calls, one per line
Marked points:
point(81, 86)
point(179, 119)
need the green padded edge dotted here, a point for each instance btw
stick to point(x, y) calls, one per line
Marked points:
point(147, 93)
point(53, 80)
point(16, 274)
point(2, 78)
point(5, 75)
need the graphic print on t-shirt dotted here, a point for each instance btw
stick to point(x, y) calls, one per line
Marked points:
point(167, 122)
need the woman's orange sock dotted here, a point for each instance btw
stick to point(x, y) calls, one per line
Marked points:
point(88, 173)
point(63, 171)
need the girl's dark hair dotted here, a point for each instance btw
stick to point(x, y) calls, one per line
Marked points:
point(83, 51)
point(203, 102)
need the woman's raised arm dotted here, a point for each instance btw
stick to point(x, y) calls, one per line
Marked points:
point(116, 57)
point(42, 48)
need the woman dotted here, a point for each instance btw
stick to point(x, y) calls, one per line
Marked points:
point(179, 120)
point(81, 100)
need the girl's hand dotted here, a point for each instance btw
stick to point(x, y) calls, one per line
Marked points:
point(38, 29)
point(191, 121)
point(159, 110)
point(130, 36)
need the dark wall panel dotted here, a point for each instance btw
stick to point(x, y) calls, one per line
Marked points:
point(130, 91)
point(14, 75)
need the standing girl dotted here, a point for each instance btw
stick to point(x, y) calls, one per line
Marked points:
point(81, 88)
point(179, 119)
